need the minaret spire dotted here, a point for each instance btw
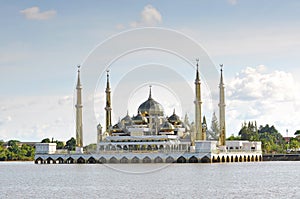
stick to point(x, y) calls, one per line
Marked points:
point(198, 118)
point(150, 94)
point(222, 110)
point(108, 103)
point(79, 142)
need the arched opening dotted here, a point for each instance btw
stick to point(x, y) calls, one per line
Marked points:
point(170, 160)
point(39, 160)
point(181, 159)
point(158, 160)
point(70, 160)
point(252, 158)
point(248, 158)
point(260, 158)
point(102, 160)
point(135, 160)
point(245, 158)
point(227, 159)
point(241, 159)
point(193, 159)
point(80, 160)
point(205, 159)
point(232, 159)
point(236, 159)
point(149, 148)
point(124, 160)
point(60, 160)
point(256, 158)
point(91, 160)
point(49, 160)
point(223, 159)
point(113, 160)
point(125, 148)
point(218, 159)
point(146, 160)
point(161, 147)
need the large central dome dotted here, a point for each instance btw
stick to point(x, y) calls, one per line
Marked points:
point(151, 107)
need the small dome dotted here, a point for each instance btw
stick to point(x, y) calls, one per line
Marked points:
point(151, 107)
point(139, 119)
point(174, 119)
point(117, 128)
point(166, 127)
point(126, 120)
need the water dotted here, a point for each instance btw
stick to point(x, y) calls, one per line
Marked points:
point(233, 180)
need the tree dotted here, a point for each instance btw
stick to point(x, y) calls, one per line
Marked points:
point(297, 132)
point(249, 132)
point(46, 140)
point(59, 144)
point(232, 137)
point(272, 140)
point(71, 144)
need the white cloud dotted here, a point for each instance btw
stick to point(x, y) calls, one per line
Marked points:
point(34, 13)
point(265, 97)
point(149, 16)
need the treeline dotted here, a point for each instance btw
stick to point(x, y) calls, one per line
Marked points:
point(15, 151)
point(70, 145)
point(272, 140)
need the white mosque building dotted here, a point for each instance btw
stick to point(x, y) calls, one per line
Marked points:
point(150, 137)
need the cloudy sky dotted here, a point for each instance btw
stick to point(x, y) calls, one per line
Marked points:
point(42, 43)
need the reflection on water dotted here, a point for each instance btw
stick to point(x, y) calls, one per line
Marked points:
point(233, 180)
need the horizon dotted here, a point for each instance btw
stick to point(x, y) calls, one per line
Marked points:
point(44, 42)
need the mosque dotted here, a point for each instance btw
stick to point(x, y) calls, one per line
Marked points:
point(151, 137)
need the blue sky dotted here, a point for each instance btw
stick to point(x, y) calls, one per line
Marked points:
point(42, 42)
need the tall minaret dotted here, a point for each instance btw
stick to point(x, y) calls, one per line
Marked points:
point(222, 110)
point(108, 104)
point(79, 142)
point(204, 128)
point(198, 123)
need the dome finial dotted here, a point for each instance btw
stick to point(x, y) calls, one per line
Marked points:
point(150, 95)
point(174, 111)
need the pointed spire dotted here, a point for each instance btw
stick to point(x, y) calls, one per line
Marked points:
point(174, 111)
point(127, 113)
point(78, 77)
point(221, 78)
point(150, 95)
point(204, 120)
point(107, 79)
point(197, 72)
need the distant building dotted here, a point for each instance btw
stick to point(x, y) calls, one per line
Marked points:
point(45, 148)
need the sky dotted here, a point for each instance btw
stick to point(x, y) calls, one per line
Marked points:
point(42, 42)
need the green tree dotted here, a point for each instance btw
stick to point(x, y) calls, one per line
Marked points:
point(232, 137)
point(249, 132)
point(71, 144)
point(59, 144)
point(46, 140)
point(272, 140)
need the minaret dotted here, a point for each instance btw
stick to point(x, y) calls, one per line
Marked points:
point(204, 128)
point(99, 135)
point(108, 104)
point(198, 123)
point(222, 110)
point(79, 142)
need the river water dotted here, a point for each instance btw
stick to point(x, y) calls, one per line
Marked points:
point(232, 180)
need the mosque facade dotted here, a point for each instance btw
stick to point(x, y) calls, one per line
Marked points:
point(151, 137)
